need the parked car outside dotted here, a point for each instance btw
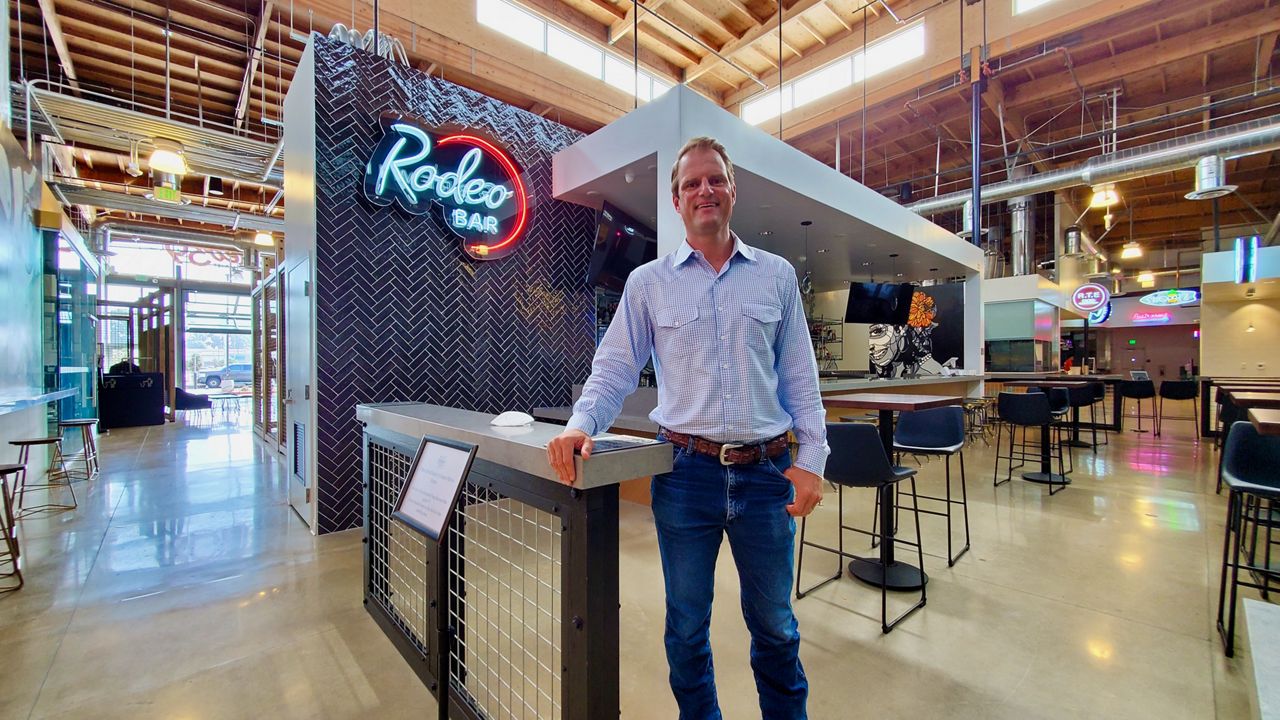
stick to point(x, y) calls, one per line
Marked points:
point(240, 373)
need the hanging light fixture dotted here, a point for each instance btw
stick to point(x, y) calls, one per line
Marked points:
point(212, 185)
point(133, 169)
point(1146, 278)
point(167, 157)
point(1130, 251)
point(264, 238)
point(1250, 328)
point(1104, 196)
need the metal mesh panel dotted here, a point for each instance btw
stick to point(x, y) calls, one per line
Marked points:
point(505, 595)
point(505, 574)
point(397, 555)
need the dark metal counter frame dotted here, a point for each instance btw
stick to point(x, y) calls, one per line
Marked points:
point(589, 580)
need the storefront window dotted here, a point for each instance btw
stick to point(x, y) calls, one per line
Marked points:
point(153, 260)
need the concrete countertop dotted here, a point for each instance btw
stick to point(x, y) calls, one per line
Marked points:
point(623, 423)
point(520, 448)
point(840, 385)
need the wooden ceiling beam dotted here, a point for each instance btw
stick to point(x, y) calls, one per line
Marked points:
point(623, 25)
point(832, 12)
point(1221, 34)
point(758, 32)
point(255, 56)
point(746, 11)
point(710, 17)
point(1266, 49)
point(50, 14)
point(813, 31)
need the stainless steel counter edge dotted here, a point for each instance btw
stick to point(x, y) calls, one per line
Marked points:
point(30, 397)
point(519, 448)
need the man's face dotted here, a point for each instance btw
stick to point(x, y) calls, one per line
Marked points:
point(704, 196)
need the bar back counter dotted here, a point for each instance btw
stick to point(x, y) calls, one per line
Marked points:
point(532, 565)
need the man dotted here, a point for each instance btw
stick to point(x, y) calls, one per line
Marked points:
point(736, 371)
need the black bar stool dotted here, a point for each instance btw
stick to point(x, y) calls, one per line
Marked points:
point(1178, 390)
point(56, 475)
point(939, 431)
point(1251, 471)
point(89, 452)
point(1100, 399)
point(10, 553)
point(1140, 390)
point(1025, 410)
point(858, 460)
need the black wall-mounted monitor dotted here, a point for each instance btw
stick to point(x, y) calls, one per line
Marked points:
point(622, 245)
point(879, 303)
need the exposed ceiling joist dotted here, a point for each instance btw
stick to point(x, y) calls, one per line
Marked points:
point(255, 55)
point(50, 15)
point(711, 62)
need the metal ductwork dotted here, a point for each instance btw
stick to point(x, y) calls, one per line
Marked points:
point(1250, 138)
point(1022, 227)
point(1211, 179)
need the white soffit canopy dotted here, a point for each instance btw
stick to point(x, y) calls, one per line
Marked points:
point(778, 186)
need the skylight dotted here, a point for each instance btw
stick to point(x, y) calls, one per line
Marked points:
point(882, 55)
point(521, 25)
point(1021, 6)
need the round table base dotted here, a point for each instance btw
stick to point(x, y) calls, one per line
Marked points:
point(1078, 443)
point(900, 575)
point(1046, 478)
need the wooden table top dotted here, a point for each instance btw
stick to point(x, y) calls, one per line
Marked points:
point(1244, 387)
point(1256, 399)
point(1266, 420)
point(890, 401)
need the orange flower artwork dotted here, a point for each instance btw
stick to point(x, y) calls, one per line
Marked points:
point(922, 311)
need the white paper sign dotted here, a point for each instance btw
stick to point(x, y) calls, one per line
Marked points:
point(429, 493)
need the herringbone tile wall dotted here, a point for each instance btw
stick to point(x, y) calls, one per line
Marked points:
point(402, 314)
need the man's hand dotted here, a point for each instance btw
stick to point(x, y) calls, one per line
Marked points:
point(560, 453)
point(808, 491)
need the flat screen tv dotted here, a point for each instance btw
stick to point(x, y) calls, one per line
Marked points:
point(622, 245)
point(879, 303)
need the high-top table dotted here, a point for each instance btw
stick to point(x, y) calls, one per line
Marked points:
point(1256, 399)
point(886, 570)
point(1075, 440)
point(1266, 420)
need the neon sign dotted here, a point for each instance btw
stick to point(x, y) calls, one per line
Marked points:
point(476, 184)
point(1169, 298)
point(1099, 316)
point(1151, 317)
point(1090, 297)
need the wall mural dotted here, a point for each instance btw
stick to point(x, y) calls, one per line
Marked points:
point(933, 337)
point(404, 310)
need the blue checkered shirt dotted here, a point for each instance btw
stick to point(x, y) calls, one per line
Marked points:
point(731, 350)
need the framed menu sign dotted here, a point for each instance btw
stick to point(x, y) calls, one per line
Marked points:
point(435, 478)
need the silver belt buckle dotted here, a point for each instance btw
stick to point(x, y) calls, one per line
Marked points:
point(726, 447)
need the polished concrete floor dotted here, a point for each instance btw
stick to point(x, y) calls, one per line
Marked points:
point(184, 587)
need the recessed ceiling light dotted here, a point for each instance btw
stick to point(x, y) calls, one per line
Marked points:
point(593, 193)
point(766, 233)
point(765, 207)
point(821, 250)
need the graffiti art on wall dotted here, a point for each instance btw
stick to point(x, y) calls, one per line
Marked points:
point(933, 337)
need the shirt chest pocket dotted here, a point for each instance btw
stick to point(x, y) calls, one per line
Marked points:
point(672, 320)
point(760, 323)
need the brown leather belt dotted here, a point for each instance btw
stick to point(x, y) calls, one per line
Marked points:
point(729, 453)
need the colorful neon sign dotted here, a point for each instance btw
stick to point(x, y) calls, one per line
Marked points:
point(1101, 315)
point(1169, 298)
point(1090, 297)
point(476, 184)
point(1152, 318)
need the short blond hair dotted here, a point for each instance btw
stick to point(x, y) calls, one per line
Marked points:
point(703, 143)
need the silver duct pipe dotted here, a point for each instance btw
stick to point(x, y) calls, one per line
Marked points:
point(1022, 226)
point(1249, 138)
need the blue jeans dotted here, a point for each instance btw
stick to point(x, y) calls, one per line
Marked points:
point(694, 505)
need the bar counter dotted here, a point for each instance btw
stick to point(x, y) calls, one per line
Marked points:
point(529, 560)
